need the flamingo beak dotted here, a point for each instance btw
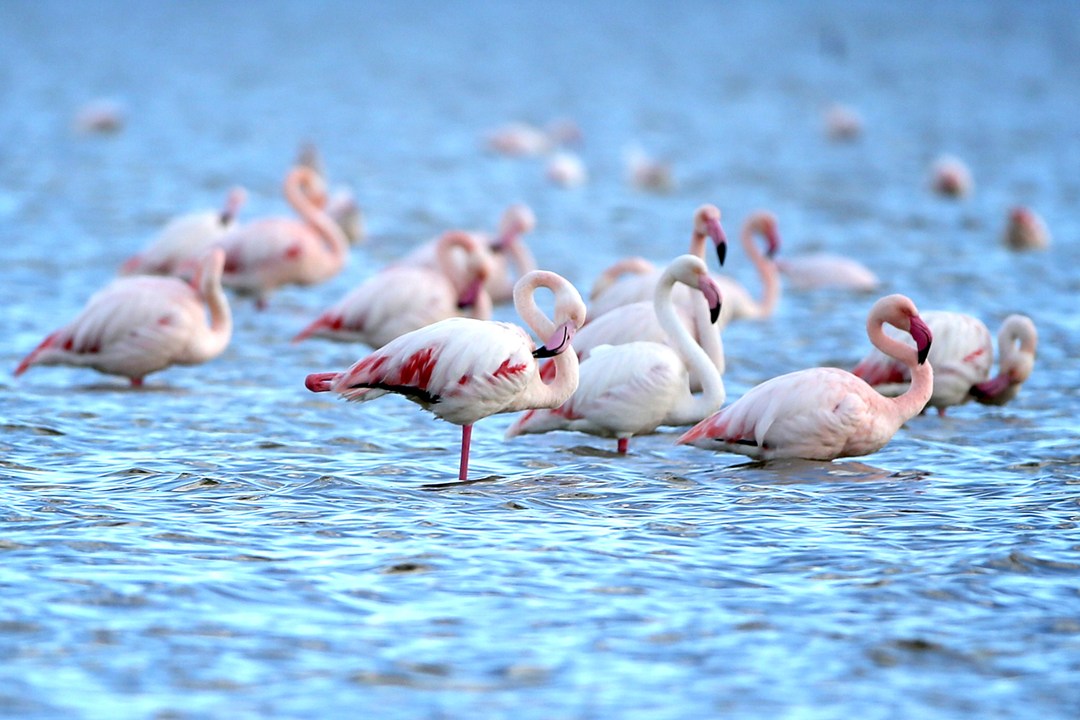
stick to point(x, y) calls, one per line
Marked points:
point(711, 291)
point(920, 332)
point(716, 233)
point(773, 240)
point(991, 388)
point(471, 293)
point(558, 342)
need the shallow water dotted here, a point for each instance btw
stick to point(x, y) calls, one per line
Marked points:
point(223, 543)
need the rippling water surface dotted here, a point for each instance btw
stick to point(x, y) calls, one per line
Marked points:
point(224, 543)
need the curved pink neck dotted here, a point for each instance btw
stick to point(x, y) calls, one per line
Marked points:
point(911, 402)
point(767, 270)
point(337, 245)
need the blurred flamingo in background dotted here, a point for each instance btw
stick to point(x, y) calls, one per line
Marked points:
point(951, 177)
point(633, 279)
point(645, 172)
point(814, 271)
point(525, 139)
point(1017, 340)
point(269, 253)
point(631, 389)
point(739, 304)
point(566, 169)
point(1026, 230)
point(842, 122)
point(402, 298)
point(463, 369)
point(141, 324)
point(182, 243)
point(511, 257)
point(962, 357)
point(826, 413)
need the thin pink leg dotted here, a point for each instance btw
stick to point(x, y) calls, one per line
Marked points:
point(624, 445)
point(466, 436)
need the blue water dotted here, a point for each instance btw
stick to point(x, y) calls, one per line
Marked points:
point(223, 543)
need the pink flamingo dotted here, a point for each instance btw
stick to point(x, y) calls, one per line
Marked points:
point(842, 122)
point(951, 177)
point(182, 243)
point(634, 279)
point(1026, 230)
point(1017, 340)
point(826, 413)
point(962, 356)
point(403, 298)
point(813, 271)
point(266, 254)
point(524, 139)
point(646, 172)
point(463, 369)
point(566, 169)
point(141, 324)
point(631, 389)
point(511, 256)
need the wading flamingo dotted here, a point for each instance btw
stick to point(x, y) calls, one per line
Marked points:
point(266, 254)
point(826, 413)
point(403, 298)
point(962, 357)
point(140, 324)
point(463, 370)
point(341, 205)
point(1026, 230)
point(511, 256)
point(814, 271)
point(184, 240)
point(634, 279)
point(1017, 340)
point(627, 390)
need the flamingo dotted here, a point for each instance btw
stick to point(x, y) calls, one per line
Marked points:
point(266, 254)
point(826, 413)
point(962, 357)
point(811, 271)
point(184, 240)
point(634, 279)
point(1026, 230)
point(1017, 340)
point(524, 139)
point(462, 369)
point(508, 249)
point(631, 389)
point(566, 169)
point(402, 298)
point(646, 172)
point(141, 324)
point(842, 122)
point(951, 177)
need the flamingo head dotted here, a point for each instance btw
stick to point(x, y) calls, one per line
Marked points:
point(920, 332)
point(311, 184)
point(558, 342)
point(233, 202)
point(518, 220)
point(711, 291)
point(764, 222)
point(707, 224)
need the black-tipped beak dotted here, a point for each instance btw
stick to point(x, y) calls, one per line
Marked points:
point(920, 332)
point(716, 232)
point(557, 343)
point(711, 291)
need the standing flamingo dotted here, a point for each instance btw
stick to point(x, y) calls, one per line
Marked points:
point(266, 254)
point(140, 324)
point(813, 271)
point(1026, 230)
point(341, 206)
point(631, 389)
point(463, 369)
point(1017, 340)
point(182, 243)
point(826, 413)
point(634, 279)
point(403, 298)
point(962, 357)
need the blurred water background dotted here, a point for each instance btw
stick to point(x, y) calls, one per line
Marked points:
point(223, 543)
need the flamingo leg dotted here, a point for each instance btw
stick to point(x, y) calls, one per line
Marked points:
point(466, 436)
point(136, 382)
point(624, 445)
